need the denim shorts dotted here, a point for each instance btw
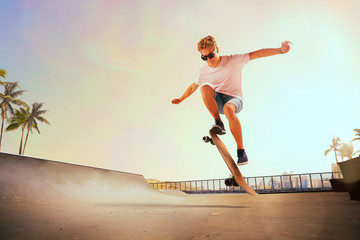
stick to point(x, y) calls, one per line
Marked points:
point(222, 99)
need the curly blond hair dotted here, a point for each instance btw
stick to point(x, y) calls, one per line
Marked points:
point(205, 42)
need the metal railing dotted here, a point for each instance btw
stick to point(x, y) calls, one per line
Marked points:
point(309, 182)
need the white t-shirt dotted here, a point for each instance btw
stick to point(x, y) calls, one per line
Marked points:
point(225, 78)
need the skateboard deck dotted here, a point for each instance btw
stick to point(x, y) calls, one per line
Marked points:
point(231, 164)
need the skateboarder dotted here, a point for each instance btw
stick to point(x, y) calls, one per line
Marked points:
point(220, 81)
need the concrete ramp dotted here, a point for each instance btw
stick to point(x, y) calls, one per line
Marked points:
point(41, 199)
point(37, 181)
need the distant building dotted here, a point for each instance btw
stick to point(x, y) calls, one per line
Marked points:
point(316, 183)
point(305, 182)
point(287, 181)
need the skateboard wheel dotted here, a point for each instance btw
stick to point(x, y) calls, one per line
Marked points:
point(206, 139)
point(231, 182)
point(228, 182)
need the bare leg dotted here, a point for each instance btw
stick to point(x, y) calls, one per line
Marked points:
point(208, 95)
point(234, 123)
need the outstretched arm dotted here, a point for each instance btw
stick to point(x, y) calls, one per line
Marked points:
point(285, 48)
point(190, 90)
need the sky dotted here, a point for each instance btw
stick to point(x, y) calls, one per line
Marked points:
point(108, 70)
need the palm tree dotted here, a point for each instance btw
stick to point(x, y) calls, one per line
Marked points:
point(34, 116)
point(19, 119)
point(334, 147)
point(346, 150)
point(357, 133)
point(7, 99)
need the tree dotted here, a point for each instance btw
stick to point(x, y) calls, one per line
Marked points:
point(346, 150)
point(7, 99)
point(357, 134)
point(334, 147)
point(19, 119)
point(31, 122)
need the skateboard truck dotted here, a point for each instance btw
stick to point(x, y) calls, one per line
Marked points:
point(208, 139)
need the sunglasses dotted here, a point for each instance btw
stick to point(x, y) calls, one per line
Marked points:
point(210, 55)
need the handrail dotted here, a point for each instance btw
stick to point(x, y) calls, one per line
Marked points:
point(261, 184)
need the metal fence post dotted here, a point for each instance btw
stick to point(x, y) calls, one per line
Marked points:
point(264, 187)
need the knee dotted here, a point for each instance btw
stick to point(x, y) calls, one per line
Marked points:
point(229, 110)
point(206, 90)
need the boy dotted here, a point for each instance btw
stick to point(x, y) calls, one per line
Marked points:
point(220, 81)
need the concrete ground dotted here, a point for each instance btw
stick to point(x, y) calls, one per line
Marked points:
point(41, 199)
point(273, 216)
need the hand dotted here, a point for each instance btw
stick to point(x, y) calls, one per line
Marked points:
point(285, 47)
point(176, 101)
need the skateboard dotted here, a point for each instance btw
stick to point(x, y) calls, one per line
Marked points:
point(237, 178)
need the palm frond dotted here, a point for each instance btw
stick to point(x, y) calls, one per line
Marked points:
point(336, 141)
point(36, 128)
point(18, 119)
point(347, 150)
point(10, 109)
point(357, 131)
point(17, 93)
point(43, 120)
point(10, 87)
point(2, 73)
point(20, 103)
point(8, 98)
point(327, 152)
point(12, 127)
point(42, 112)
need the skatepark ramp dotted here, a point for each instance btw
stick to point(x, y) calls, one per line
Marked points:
point(27, 180)
point(42, 199)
